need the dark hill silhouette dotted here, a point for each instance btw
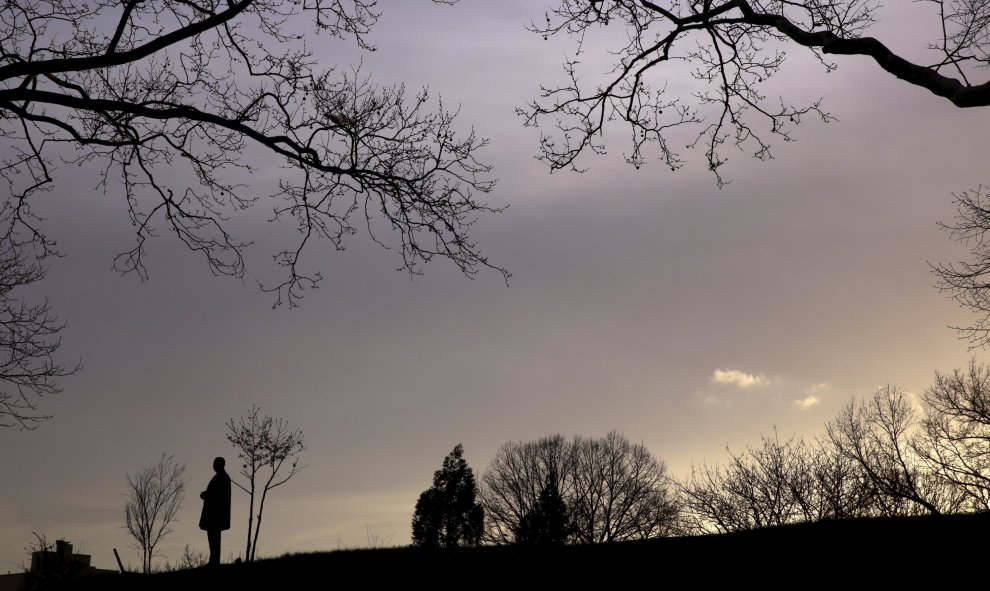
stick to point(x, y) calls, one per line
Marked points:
point(947, 550)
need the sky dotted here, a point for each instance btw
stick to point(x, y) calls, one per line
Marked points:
point(688, 317)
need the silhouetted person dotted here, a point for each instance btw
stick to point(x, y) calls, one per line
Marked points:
point(216, 509)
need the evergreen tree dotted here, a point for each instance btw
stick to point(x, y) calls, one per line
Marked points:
point(547, 522)
point(447, 515)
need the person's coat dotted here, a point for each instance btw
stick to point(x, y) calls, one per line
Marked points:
point(216, 504)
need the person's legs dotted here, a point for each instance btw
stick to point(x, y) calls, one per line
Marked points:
point(213, 535)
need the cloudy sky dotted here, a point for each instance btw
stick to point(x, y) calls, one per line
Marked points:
point(687, 317)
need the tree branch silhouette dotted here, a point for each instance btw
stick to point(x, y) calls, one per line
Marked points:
point(29, 340)
point(733, 48)
point(151, 88)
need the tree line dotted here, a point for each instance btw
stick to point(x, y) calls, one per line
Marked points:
point(886, 455)
point(889, 454)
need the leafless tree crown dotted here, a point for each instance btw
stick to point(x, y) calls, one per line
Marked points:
point(269, 451)
point(154, 496)
point(612, 489)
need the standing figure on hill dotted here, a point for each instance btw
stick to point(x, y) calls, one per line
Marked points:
point(216, 509)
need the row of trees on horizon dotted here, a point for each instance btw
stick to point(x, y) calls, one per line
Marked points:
point(886, 455)
point(890, 454)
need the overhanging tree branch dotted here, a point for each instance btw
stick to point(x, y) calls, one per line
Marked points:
point(29, 340)
point(190, 84)
point(731, 47)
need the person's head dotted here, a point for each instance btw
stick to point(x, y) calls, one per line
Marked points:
point(218, 464)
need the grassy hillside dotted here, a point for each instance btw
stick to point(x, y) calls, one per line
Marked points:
point(948, 551)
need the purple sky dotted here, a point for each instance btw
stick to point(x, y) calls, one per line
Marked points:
point(687, 317)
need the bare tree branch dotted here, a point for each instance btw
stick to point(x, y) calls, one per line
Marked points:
point(152, 88)
point(968, 282)
point(880, 435)
point(29, 340)
point(733, 49)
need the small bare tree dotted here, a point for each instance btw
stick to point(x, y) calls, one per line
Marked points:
point(154, 496)
point(40, 547)
point(269, 450)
